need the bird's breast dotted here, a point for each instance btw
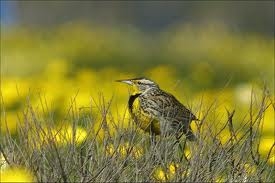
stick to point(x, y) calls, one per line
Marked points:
point(141, 117)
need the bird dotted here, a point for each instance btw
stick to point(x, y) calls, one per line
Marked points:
point(157, 111)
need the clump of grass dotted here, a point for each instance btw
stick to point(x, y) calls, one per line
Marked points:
point(109, 152)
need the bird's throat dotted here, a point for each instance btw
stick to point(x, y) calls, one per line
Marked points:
point(132, 100)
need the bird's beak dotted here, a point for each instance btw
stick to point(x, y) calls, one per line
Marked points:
point(129, 82)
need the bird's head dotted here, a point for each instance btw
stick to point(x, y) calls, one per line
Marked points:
point(139, 85)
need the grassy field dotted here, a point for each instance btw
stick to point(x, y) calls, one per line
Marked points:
point(63, 118)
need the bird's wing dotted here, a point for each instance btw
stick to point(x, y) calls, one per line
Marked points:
point(160, 104)
point(179, 109)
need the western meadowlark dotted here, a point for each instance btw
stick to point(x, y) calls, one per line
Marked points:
point(157, 111)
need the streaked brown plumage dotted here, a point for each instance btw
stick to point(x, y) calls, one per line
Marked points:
point(157, 111)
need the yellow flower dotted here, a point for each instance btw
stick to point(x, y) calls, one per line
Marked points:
point(271, 160)
point(265, 145)
point(17, 174)
point(249, 169)
point(137, 152)
point(268, 121)
point(194, 126)
point(172, 168)
point(9, 92)
point(213, 103)
point(110, 149)
point(9, 122)
point(13, 90)
point(225, 136)
point(187, 153)
point(83, 99)
point(66, 135)
point(60, 136)
point(160, 175)
point(220, 179)
point(121, 115)
point(167, 175)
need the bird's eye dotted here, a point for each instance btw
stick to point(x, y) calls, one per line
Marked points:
point(139, 82)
